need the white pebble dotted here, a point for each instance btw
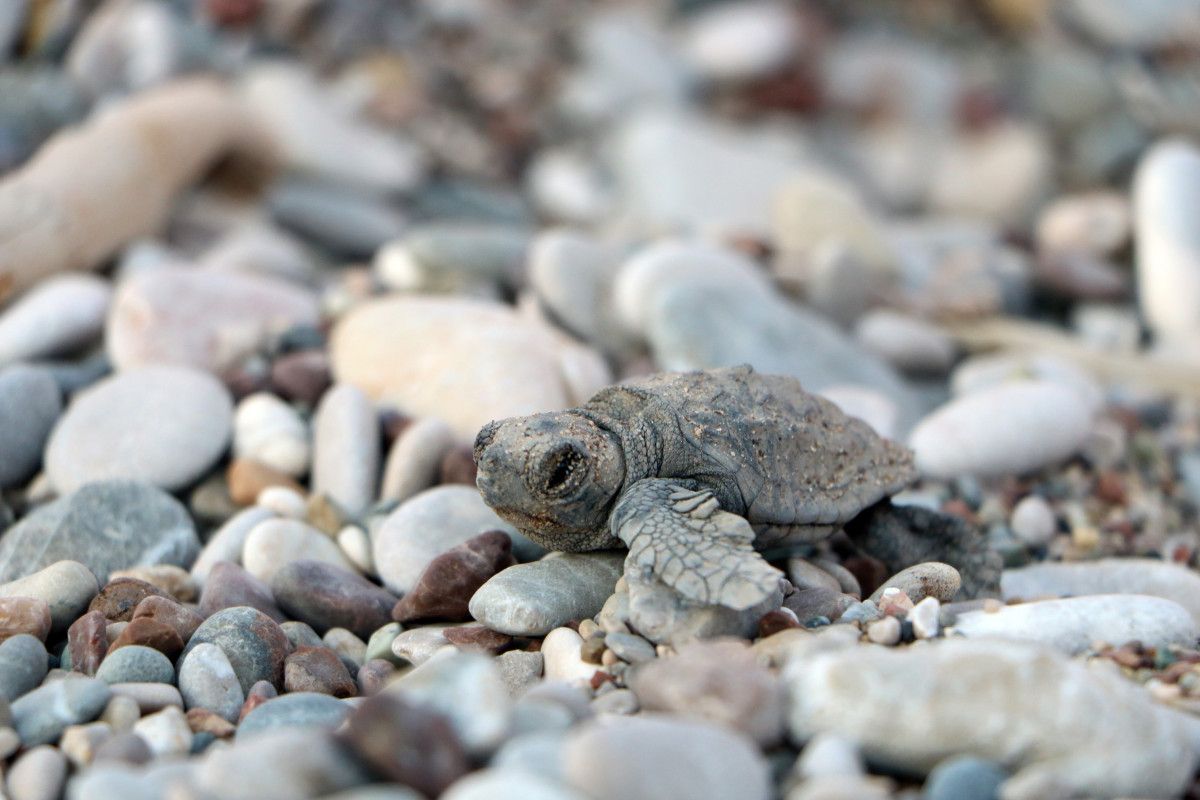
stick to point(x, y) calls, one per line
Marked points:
point(560, 649)
point(1033, 521)
point(924, 618)
point(356, 544)
point(166, 732)
point(283, 501)
point(268, 430)
point(1166, 204)
point(1009, 429)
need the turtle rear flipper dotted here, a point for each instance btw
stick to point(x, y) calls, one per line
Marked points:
point(682, 535)
point(901, 536)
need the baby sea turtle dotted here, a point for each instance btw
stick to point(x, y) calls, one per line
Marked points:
point(698, 472)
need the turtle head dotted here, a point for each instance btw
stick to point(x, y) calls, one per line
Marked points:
point(555, 476)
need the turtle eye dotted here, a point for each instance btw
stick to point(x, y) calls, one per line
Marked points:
point(562, 468)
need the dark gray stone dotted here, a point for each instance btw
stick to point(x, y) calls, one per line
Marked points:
point(295, 710)
point(29, 405)
point(107, 525)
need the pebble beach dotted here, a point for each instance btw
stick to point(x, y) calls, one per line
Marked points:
point(267, 267)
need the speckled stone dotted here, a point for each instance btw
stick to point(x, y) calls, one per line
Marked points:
point(319, 670)
point(87, 642)
point(929, 579)
point(120, 596)
point(253, 643)
point(106, 525)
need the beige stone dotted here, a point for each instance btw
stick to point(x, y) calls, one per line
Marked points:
point(465, 361)
point(92, 189)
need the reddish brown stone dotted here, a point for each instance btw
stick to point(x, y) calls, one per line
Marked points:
point(1110, 487)
point(24, 615)
point(150, 633)
point(259, 693)
point(247, 478)
point(120, 597)
point(393, 423)
point(229, 585)
point(87, 641)
point(406, 743)
point(301, 377)
point(447, 584)
point(479, 638)
point(161, 609)
point(374, 675)
point(202, 720)
point(233, 13)
point(458, 466)
point(868, 571)
point(317, 669)
point(773, 622)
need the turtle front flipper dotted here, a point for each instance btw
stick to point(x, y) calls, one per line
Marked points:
point(682, 536)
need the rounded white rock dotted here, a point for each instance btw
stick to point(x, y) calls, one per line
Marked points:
point(275, 542)
point(1033, 521)
point(268, 430)
point(1166, 194)
point(1009, 429)
point(63, 313)
point(741, 41)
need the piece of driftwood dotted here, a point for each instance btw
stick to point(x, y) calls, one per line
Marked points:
point(1175, 376)
point(94, 188)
